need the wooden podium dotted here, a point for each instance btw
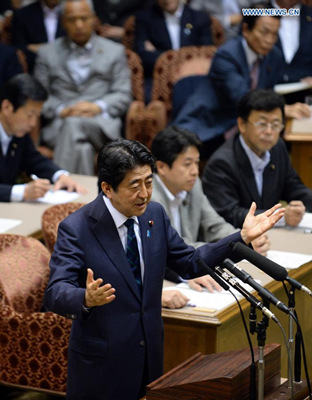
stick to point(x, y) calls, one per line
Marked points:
point(221, 376)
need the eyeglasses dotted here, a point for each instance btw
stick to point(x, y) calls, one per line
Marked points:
point(263, 126)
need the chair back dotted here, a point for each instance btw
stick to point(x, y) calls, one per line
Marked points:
point(24, 272)
point(173, 65)
point(51, 219)
point(128, 37)
point(137, 74)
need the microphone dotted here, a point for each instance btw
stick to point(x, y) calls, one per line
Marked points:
point(249, 297)
point(276, 271)
point(216, 277)
point(245, 277)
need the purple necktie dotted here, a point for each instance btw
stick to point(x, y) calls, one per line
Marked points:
point(254, 74)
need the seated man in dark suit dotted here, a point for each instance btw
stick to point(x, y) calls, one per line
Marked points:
point(247, 62)
point(166, 26)
point(255, 166)
point(21, 100)
point(295, 36)
point(9, 63)
point(112, 15)
point(34, 25)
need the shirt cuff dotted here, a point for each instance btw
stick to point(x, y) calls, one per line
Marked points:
point(103, 107)
point(58, 173)
point(17, 193)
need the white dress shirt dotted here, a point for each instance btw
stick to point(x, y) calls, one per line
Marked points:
point(119, 220)
point(174, 205)
point(50, 18)
point(173, 23)
point(289, 33)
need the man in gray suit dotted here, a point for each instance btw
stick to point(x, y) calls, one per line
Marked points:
point(178, 188)
point(89, 87)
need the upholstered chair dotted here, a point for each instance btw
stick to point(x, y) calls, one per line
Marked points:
point(33, 343)
point(51, 218)
point(171, 66)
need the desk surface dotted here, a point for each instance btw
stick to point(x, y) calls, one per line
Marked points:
point(30, 213)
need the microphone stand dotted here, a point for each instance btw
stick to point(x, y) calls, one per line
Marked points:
point(291, 305)
point(260, 328)
point(252, 329)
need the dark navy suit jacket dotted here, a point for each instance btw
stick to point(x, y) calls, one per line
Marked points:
point(22, 156)
point(212, 108)
point(229, 183)
point(150, 25)
point(109, 346)
point(28, 28)
point(301, 64)
point(9, 63)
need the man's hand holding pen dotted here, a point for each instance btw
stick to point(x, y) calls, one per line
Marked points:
point(294, 212)
point(36, 188)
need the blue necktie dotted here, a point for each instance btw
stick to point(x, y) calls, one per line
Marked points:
point(133, 255)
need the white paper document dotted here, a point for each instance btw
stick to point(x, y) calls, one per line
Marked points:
point(215, 301)
point(287, 259)
point(306, 222)
point(58, 197)
point(6, 224)
point(285, 88)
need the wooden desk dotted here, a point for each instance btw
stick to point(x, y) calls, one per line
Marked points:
point(301, 148)
point(188, 331)
point(30, 213)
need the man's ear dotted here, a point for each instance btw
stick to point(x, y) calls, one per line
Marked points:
point(6, 107)
point(107, 189)
point(241, 123)
point(162, 167)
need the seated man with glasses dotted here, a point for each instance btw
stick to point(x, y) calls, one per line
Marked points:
point(255, 166)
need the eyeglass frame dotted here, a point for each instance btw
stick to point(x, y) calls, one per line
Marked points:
point(261, 126)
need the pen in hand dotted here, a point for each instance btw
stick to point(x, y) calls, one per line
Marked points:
point(36, 188)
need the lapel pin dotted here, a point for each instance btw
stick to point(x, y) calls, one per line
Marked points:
point(272, 167)
point(151, 222)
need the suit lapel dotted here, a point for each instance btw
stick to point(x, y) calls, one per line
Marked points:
point(146, 230)
point(161, 29)
point(241, 59)
point(111, 242)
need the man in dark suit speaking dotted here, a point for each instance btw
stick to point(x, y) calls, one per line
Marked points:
point(107, 274)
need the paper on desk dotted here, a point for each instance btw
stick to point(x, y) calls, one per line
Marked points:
point(215, 301)
point(306, 221)
point(7, 224)
point(289, 260)
point(284, 88)
point(58, 197)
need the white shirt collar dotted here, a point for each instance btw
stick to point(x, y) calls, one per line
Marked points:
point(257, 162)
point(118, 217)
point(172, 198)
point(88, 46)
point(251, 56)
point(5, 140)
point(177, 14)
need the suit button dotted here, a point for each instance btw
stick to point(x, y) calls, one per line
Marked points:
point(142, 343)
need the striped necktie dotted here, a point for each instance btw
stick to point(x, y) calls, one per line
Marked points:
point(132, 251)
point(254, 74)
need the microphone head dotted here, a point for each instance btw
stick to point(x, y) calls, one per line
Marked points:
point(276, 271)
